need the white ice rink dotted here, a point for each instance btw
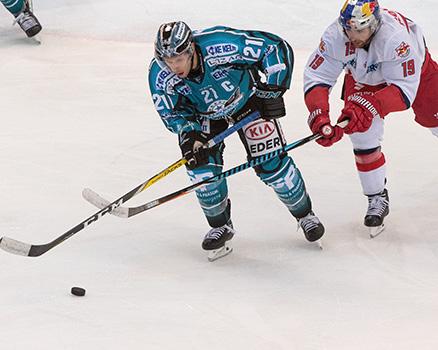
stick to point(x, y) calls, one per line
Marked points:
point(76, 112)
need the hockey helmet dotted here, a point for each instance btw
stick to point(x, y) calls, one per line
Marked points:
point(173, 39)
point(360, 14)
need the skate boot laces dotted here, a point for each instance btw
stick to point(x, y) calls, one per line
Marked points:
point(309, 222)
point(377, 205)
point(25, 20)
point(19, 18)
point(217, 232)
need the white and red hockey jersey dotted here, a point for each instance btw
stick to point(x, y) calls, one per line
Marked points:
point(395, 56)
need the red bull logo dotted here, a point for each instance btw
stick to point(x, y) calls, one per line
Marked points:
point(369, 8)
point(403, 50)
point(322, 46)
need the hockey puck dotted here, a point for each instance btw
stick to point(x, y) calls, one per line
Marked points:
point(78, 291)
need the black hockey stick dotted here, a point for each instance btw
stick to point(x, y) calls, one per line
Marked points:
point(126, 212)
point(20, 248)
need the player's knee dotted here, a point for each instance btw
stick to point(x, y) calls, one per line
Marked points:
point(213, 192)
point(272, 166)
point(203, 172)
point(281, 174)
point(369, 159)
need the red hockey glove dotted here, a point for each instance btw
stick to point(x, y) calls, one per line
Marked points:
point(360, 110)
point(319, 120)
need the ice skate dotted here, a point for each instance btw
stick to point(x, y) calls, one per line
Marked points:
point(378, 208)
point(28, 22)
point(313, 229)
point(217, 242)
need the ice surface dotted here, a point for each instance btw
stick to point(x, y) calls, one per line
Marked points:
point(76, 112)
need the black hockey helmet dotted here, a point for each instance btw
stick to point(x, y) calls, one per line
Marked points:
point(173, 39)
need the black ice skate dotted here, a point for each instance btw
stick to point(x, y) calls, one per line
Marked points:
point(378, 208)
point(313, 229)
point(217, 241)
point(28, 22)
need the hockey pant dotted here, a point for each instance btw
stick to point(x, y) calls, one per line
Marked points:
point(425, 105)
point(279, 173)
point(14, 6)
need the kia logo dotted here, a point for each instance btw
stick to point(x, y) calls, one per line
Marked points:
point(259, 130)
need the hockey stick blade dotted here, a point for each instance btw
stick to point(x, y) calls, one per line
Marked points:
point(100, 202)
point(15, 247)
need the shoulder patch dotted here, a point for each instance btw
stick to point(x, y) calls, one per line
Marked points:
point(322, 46)
point(166, 81)
point(403, 50)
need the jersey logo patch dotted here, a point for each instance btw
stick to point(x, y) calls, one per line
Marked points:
point(260, 130)
point(322, 46)
point(262, 137)
point(373, 67)
point(185, 90)
point(216, 61)
point(351, 63)
point(403, 50)
point(166, 81)
point(221, 49)
point(219, 74)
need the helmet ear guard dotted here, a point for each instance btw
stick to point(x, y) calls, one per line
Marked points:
point(173, 39)
point(360, 14)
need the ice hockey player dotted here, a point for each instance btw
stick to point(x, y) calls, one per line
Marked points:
point(388, 68)
point(23, 16)
point(203, 80)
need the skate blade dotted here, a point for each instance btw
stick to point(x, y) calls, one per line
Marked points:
point(35, 40)
point(375, 231)
point(219, 253)
point(318, 243)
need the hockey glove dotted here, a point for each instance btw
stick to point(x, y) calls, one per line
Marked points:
point(271, 102)
point(191, 148)
point(319, 120)
point(360, 110)
point(319, 123)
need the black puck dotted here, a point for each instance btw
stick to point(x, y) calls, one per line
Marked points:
point(78, 291)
